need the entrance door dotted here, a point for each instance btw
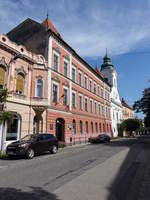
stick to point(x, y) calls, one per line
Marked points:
point(60, 128)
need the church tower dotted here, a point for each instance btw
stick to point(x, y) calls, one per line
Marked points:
point(109, 72)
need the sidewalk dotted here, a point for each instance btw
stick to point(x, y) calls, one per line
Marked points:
point(94, 184)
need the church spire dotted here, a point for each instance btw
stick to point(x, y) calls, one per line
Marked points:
point(107, 61)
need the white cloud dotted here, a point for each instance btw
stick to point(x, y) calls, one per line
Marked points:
point(88, 26)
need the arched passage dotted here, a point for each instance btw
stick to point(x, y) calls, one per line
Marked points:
point(60, 129)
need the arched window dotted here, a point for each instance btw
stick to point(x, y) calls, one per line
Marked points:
point(100, 128)
point(13, 129)
point(39, 88)
point(103, 127)
point(73, 127)
point(92, 127)
point(2, 77)
point(80, 127)
point(20, 82)
point(86, 127)
point(96, 128)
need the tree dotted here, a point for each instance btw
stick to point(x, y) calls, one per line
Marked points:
point(143, 105)
point(131, 125)
point(4, 115)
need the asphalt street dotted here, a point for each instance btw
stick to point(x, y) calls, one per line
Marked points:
point(40, 177)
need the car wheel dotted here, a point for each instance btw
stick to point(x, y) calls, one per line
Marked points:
point(54, 149)
point(30, 154)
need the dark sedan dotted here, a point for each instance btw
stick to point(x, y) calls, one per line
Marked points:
point(33, 144)
point(99, 139)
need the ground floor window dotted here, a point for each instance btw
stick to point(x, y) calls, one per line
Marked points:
point(73, 127)
point(13, 128)
point(80, 127)
point(86, 127)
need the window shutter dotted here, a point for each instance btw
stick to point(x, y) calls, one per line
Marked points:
point(2, 76)
point(20, 83)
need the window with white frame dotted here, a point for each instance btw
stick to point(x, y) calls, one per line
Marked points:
point(73, 74)
point(65, 68)
point(86, 104)
point(94, 88)
point(99, 108)
point(80, 78)
point(39, 88)
point(86, 81)
point(95, 107)
point(98, 90)
point(91, 105)
point(90, 85)
point(55, 92)
point(73, 99)
point(80, 102)
point(65, 96)
point(56, 61)
point(102, 92)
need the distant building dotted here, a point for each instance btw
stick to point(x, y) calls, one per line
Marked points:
point(127, 111)
point(110, 74)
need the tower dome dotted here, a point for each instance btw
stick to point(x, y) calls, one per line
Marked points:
point(107, 62)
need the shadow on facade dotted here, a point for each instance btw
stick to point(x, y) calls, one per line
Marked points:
point(36, 193)
point(123, 187)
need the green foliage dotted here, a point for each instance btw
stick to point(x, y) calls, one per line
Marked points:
point(4, 115)
point(3, 95)
point(143, 105)
point(131, 125)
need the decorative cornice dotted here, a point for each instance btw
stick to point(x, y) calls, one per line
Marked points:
point(3, 62)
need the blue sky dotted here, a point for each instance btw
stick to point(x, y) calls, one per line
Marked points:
point(91, 26)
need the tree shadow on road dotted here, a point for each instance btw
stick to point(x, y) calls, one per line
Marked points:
point(127, 183)
point(36, 193)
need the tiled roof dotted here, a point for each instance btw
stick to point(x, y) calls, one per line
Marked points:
point(47, 24)
point(124, 104)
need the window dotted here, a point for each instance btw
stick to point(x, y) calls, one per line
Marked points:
point(73, 74)
point(73, 100)
point(2, 77)
point(106, 112)
point(103, 111)
point(102, 92)
point(65, 97)
point(98, 90)
point(91, 106)
point(20, 81)
point(13, 128)
point(85, 82)
point(65, 68)
point(39, 88)
point(94, 88)
point(73, 127)
point(86, 127)
point(55, 93)
point(96, 128)
point(92, 127)
point(80, 127)
point(90, 85)
point(56, 62)
point(80, 78)
point(100, 127)
point(86, 104)
point(95, 108)
point(99, 108)
point(80, 102)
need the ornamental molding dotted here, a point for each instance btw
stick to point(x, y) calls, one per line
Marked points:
point(21, 70)
point(3, 62)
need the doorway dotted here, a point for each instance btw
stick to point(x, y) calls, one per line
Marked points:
point(60, 129)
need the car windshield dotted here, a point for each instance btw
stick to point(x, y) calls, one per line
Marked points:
point(28, 137)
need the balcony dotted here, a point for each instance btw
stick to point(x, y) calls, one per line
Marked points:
point(38, 101)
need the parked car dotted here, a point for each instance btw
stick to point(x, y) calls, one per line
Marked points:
point(33, 144)
point(100, 138)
